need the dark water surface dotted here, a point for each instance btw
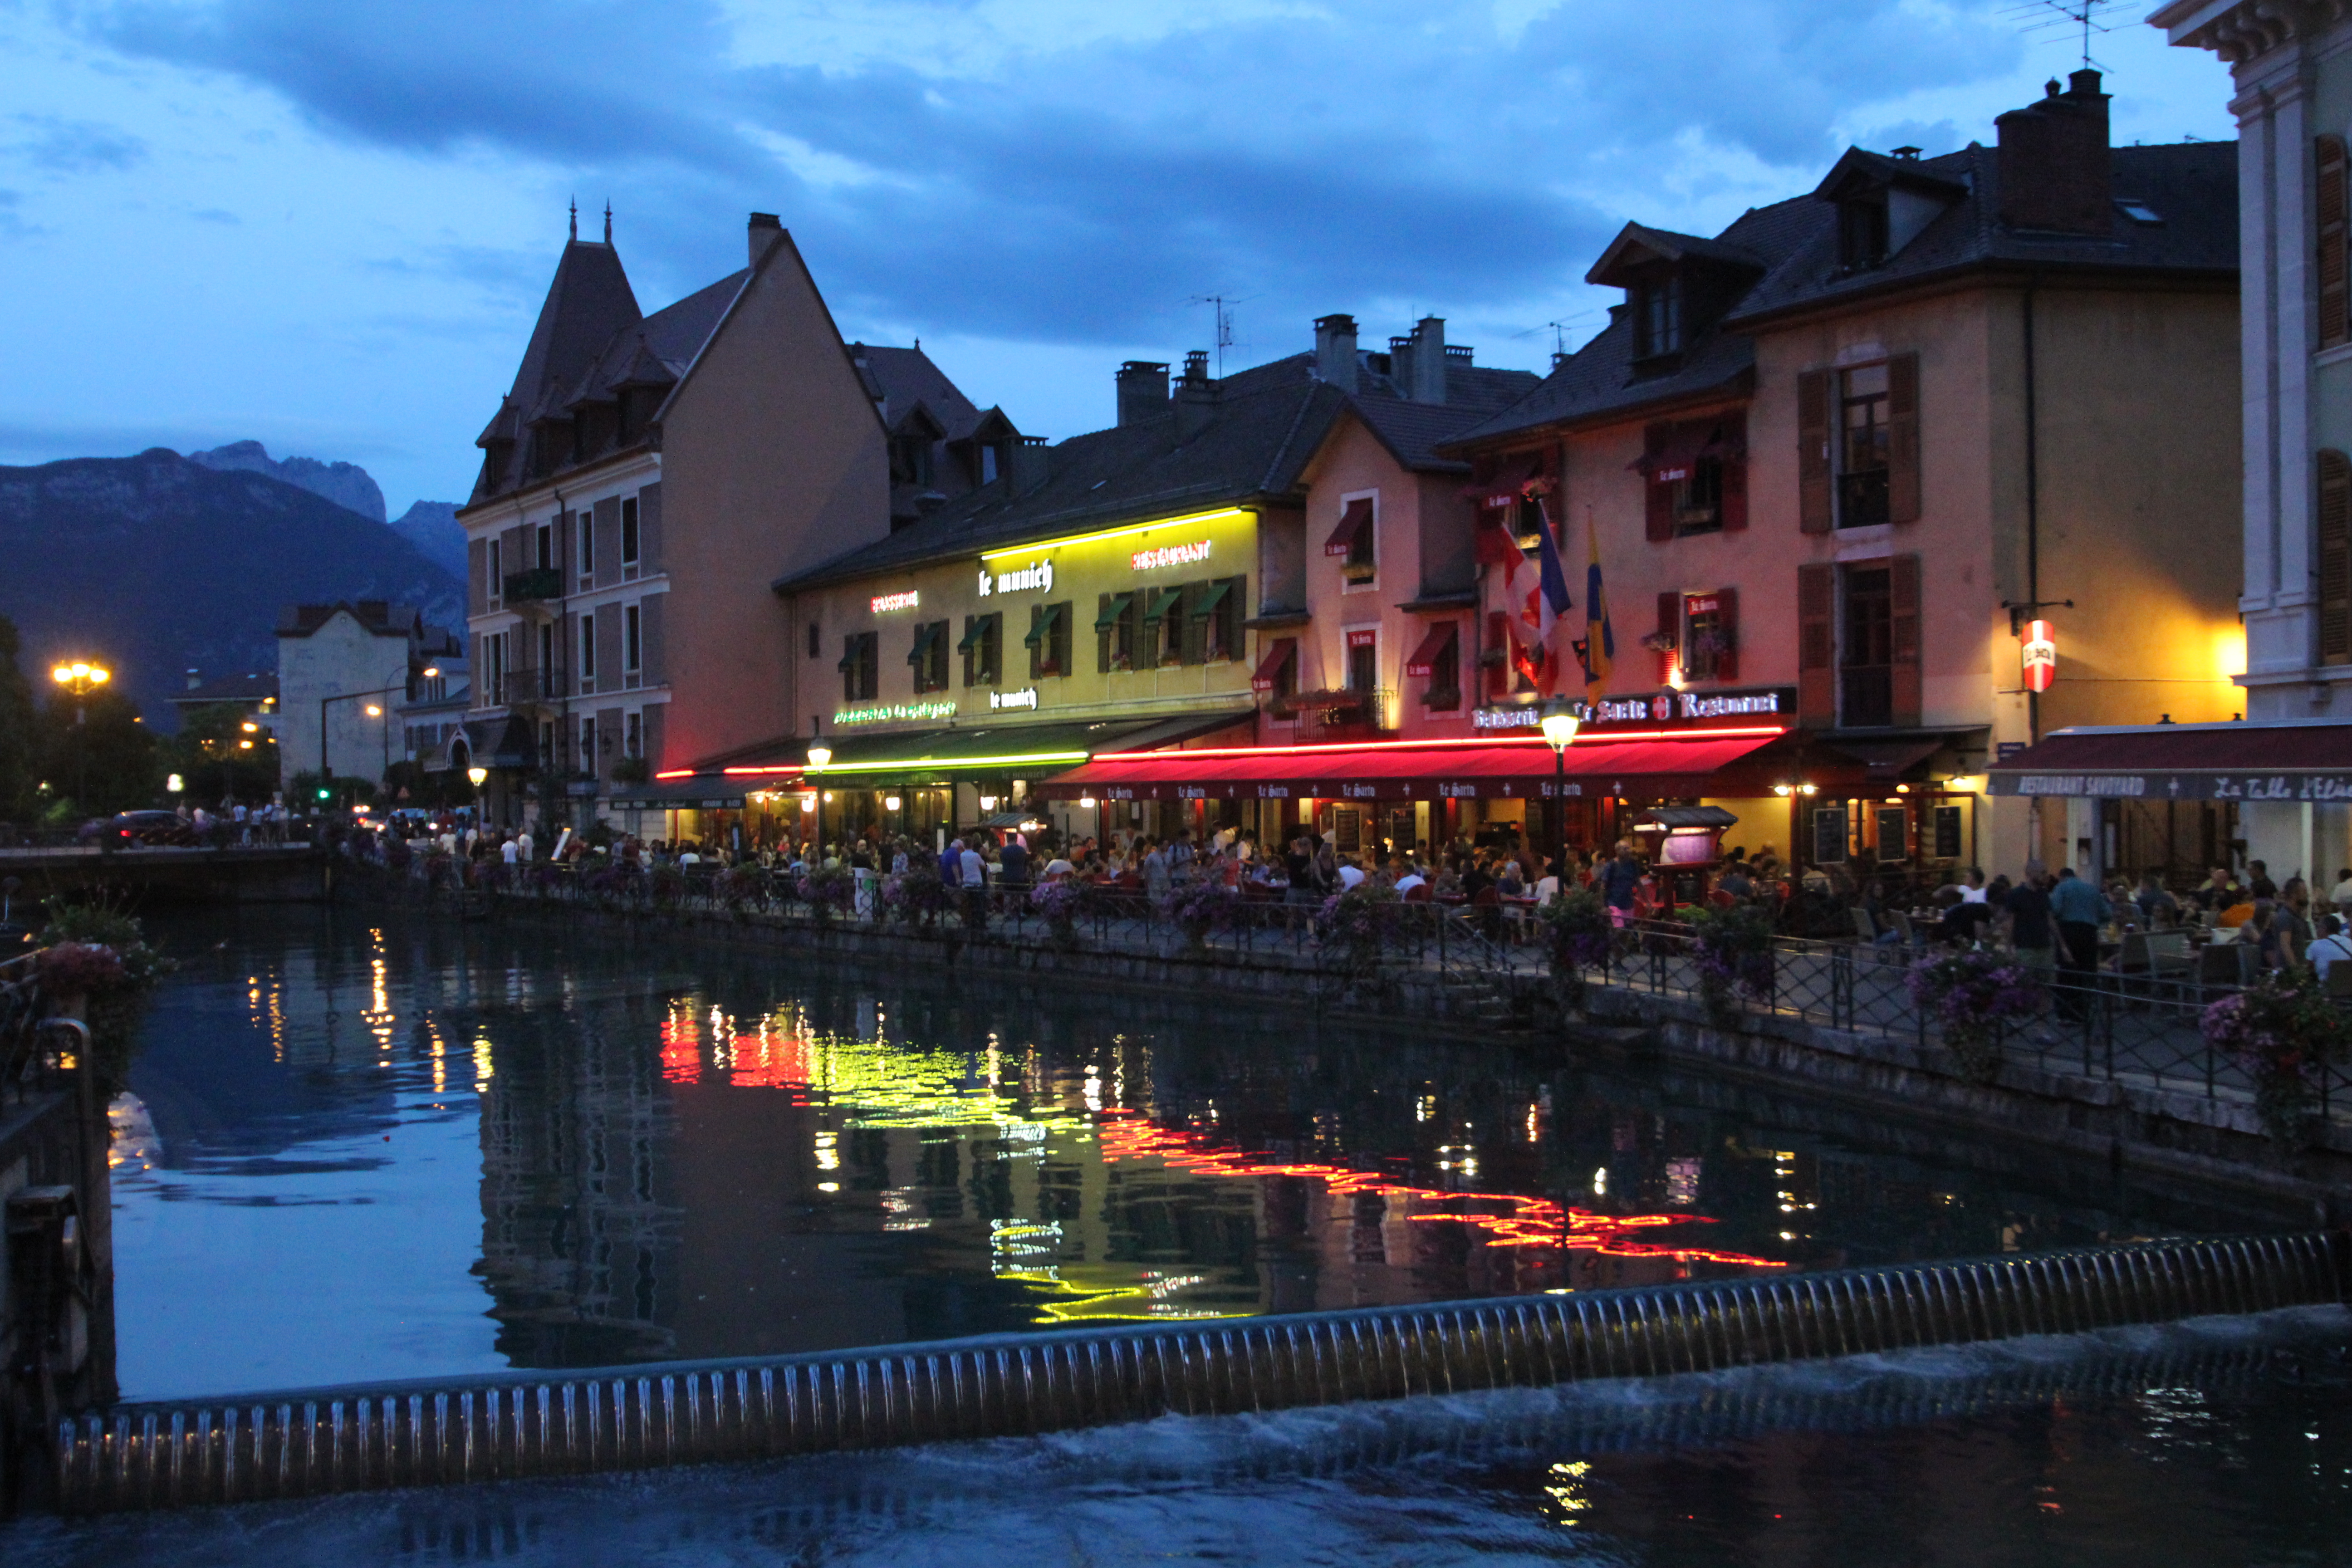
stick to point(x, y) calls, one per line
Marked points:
point(385, 1148)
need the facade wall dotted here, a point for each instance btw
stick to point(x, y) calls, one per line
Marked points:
point(338, 659)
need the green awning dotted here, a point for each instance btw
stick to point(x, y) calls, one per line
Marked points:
point(1206, 606)
point(974, 634)
point(1163, 604)
point(1046, 615)
point(1114, 611)
point(925, 636)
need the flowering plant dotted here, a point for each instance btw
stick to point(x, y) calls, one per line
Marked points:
point(1972, 995)
point(740, 885)
point(826, 888)
point(1353, 922)
point(668, 884)
point(1659, 642)
point(1579, 925)
point(915, 895)
point(2284, 1032)
point(81, 968)
point(1199, 908)
point(1735, 948)
point(1059, 901)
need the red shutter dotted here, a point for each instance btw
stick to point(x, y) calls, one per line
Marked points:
point(1670, 625)
point(1657, 500)
point(2335, 263)
point(1905, 583)
point(1726, 617)
point(1817, 644)
point(2334, 558)
point(1903, 438)
point(1813, 451)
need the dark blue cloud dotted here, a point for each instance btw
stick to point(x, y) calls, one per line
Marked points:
point(76, 146)
point(1404, 151)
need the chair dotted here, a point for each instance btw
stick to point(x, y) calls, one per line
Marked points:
point(1863, 926)
point(2223, 964)
point(1419, 894)
point(2339, 980)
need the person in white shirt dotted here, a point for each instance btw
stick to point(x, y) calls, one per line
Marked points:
point(1410, 880)
point(508, 852)
point(523, 845)
point(2329, 947)
point(1973, 892)
point(1351, 875)
point(2340, 895)
point(975, 869)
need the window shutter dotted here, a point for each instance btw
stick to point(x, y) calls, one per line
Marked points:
point(1813, 451)
point(1817, 644)
point(1657, 500)
point(2334, 558)
point(1903, 438)
point(1495, 657)
point(1904, 582)
point(2335, 259)
point(1037, 651)
point(1102, 636)
point(1727, 620)
point(1735, 493)
point(1670, 625)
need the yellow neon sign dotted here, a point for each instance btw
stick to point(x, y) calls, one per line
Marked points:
point(1196, 517)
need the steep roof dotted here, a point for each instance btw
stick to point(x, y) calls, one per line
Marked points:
point(897, 379)
point(588, 300)
point(655, 351)
point(2192, 189)
point(379, 616)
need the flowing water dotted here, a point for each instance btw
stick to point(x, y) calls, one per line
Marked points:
point(368, 1146)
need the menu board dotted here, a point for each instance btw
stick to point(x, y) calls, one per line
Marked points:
point(1894, 834)
point(1948, 833)
point(1829, 835)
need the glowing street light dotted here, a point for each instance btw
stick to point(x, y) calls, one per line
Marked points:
point(819, 755)
point(1559, 725)
point(478, 776)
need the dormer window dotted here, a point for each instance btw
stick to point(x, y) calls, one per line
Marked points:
point(1862, 235)
point(1658, 314)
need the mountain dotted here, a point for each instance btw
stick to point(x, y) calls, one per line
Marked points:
point(433, 527)
point(345, 484)
point(155, 564)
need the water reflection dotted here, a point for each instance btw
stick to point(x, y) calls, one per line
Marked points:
point(389, 1148)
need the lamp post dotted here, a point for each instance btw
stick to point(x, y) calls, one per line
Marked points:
point(374, 710)
point(1560, 726)
point(819, 755)
point(79, 677)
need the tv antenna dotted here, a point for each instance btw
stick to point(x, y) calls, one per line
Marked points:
point(2047, 16)
point(1223, 305)
point(1558, 330)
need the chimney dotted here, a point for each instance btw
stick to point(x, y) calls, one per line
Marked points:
point(1429, 360)
point(196, 679)
point(1196, 368)
point(1029, 464)
point(1335, 351)
point(1196, 396)
point(766, 230)
point(2056, 166)
point(1142, 391)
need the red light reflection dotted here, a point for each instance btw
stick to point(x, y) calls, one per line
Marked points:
point(1509, 1219)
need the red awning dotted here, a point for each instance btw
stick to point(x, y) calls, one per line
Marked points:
point(1352, 522)
point(1433, 647)
point(1506, 486)
point(2285, 761)
point(1279, 652)
point(1483, 771)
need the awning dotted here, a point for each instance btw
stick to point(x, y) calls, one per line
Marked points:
point(925, 636)
point(942, 755)
point(1206, 605)
point(1114, 611)
point(974, 634)
point(702, 793)
point(1687, 816)
point(1500, 770)
point(2290, 761)
point(1688, 443)
point(1279, 652)
point(501, 742)
point(1504, 488)
point(1889, 760)
point(1434, 647)
point(1352, 523)
point(1163, 604)
point(1046, 615)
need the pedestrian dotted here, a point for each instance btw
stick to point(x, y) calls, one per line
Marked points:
point(1621, 877)
point(2153, 901)
point(2028, 910)
point(2079, 910)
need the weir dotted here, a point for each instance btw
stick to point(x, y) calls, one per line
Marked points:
point(311, 1442)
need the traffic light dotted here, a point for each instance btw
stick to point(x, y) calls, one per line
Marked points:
point(326, 784)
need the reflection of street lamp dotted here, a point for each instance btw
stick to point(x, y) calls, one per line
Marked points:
point(79, 678)
point(1559, 725)
point(819, 755)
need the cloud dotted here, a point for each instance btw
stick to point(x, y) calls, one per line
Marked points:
point(216, 215)
point(1029, 175)
point(76, 146)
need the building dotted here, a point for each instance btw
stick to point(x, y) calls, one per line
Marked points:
point(636, 467)
point(344, 671)
point(254, 696)
point(1840, 462)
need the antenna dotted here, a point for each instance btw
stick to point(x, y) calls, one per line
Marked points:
point(1224, 304)
point(2047, 17)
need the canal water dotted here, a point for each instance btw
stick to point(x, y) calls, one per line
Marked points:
point(365, 1146)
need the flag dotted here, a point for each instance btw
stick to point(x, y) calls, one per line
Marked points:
point(1551, 600)
point(1600, 646)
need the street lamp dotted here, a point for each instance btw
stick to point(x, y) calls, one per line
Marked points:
point(478, 776)
point(1559, 725)
point(819, 755)
point(79, 678)
point(374, 710)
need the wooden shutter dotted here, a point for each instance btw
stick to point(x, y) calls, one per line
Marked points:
point(1817, 644)
point(1735, 490)
point(1195, 645)
point(1903, 438)
point(1657, 500)
point(2335, 262)
point(1904, 582)
point(1813, 508)
point(1102, 636)
point(1727, 620)
point(1670, 625)
point(2334, 558)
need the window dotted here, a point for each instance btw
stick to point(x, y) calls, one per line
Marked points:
point(1697, 477)
point(2334, 558)
point(1439, 659)
point(861, 665)
point(1862, 235)
point(1699, 498)
point(1215, 615)
point(633, 736)
point(543, 539)
point(928, 657)
point(1710, 635)
point(1364, 660)
point(1118, 628)
point(629, 536)
point(1049, 640)
point(988, 463)
point(1355, 542)
point(1863, 447)
point(982, 648)
point(587, 543)
point(815, 637)
point(495, 650)
point(497, 587)
point(588, 653)
point(2331, 210)
point(587, 744)
point(546, 743)
point(546, 661)
point(1866, 654)
point(2139, 212)
point(632, 638)
point(1658, 315)
point(1163, 625)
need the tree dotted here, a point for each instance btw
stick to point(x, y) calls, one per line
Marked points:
point(95, 752)
point(19, 731)
point(220, 751)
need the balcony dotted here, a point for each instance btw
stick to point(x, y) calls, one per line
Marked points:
point(1866, 696)
point(1356, 707)
point(531, 587)
point(524, 686)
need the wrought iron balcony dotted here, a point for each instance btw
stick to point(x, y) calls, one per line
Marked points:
point(528, 587)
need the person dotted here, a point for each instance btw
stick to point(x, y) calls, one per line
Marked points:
point(2331, 946)
point(2080, 909)
point(510, 851)
point(1766, 863)
point(1351, 875)
point(2028, 909)
point(1012, 863)
point(1411, 878)
point(2258, 881)
point(1622, 876)
point(2293, 918)
point(2153, 901)
point(524, 847)
point(1734, 882)
point(1181, 855)
point(1973, 891)
point(2340, 895)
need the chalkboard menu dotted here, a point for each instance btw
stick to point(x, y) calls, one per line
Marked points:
point(1829, 835)
point(1948, 833)
point(1894, 834)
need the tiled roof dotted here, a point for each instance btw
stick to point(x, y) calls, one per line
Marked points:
point(379, 616)
point(227, 688)
point(587, 302)
point(2192, 189)
point(898, 379)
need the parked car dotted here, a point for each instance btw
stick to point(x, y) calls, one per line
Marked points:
point(128, 828)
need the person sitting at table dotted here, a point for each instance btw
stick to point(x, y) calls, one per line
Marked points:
point(2332, 945)
point(1408, 877)
point(1511, 879)
point(2220, 891)
point(1735, 880)
point(2157, 907)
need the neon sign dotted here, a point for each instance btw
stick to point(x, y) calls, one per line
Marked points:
point(893, 712)
point(1035, 579)
point(1024, 698)
point(881, 603)
point(1170, 555)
